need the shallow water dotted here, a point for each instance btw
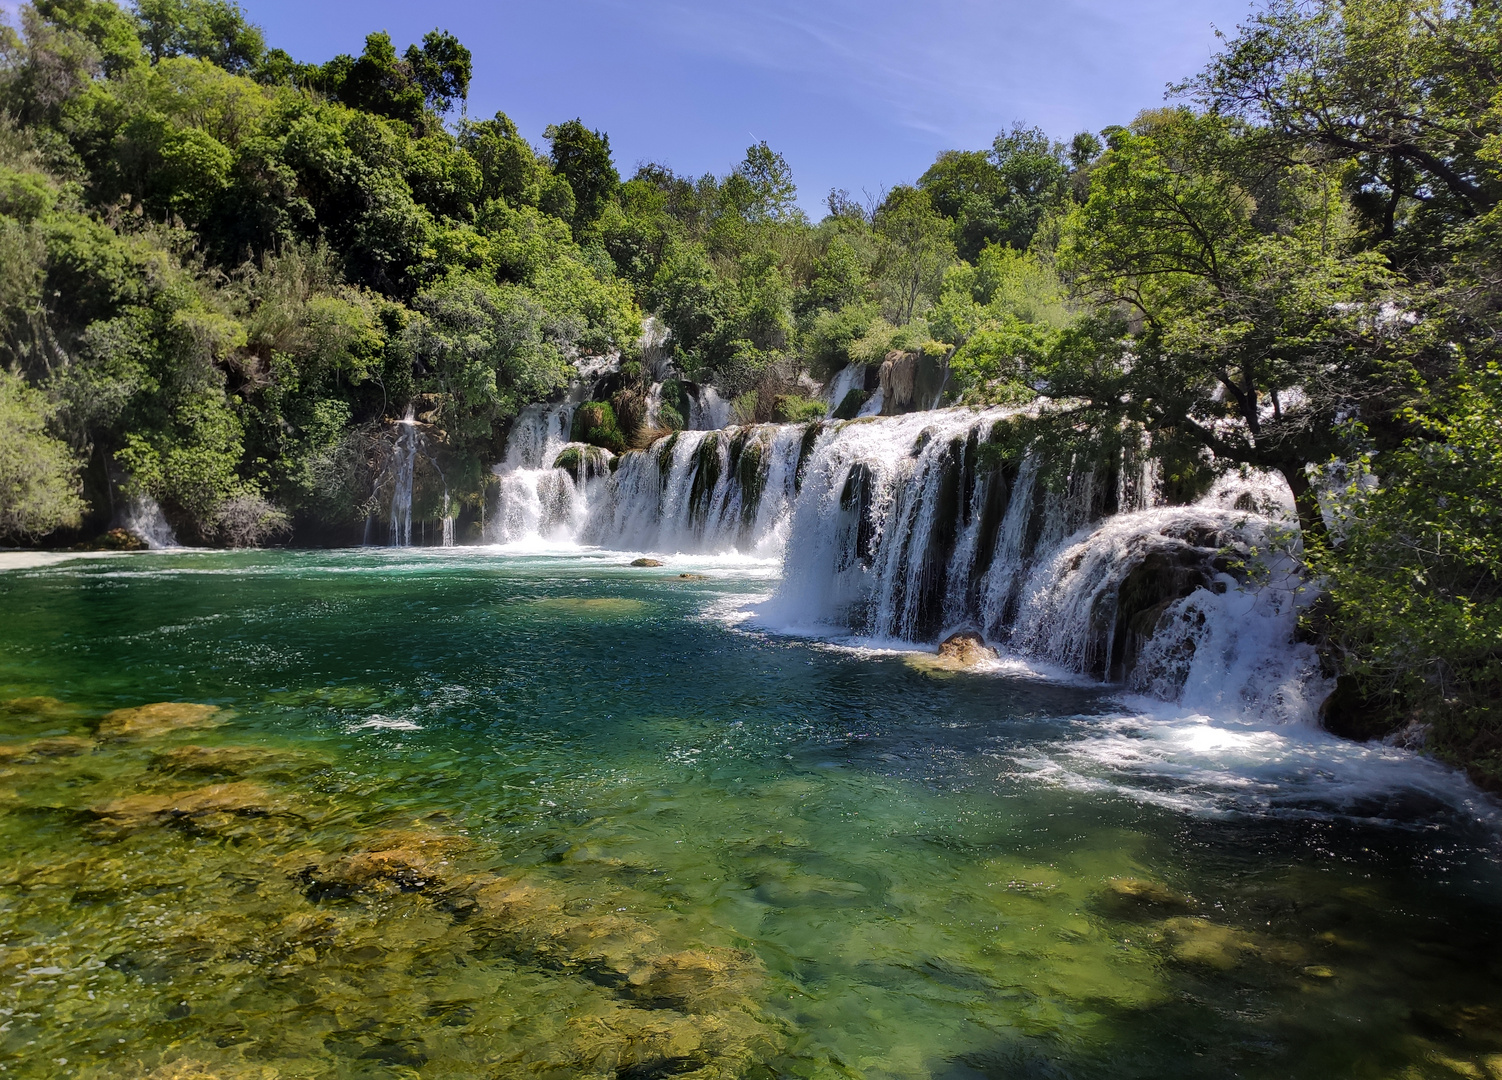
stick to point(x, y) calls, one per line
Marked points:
point(465, 814)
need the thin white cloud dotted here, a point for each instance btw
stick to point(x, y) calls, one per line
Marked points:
point(960, 69)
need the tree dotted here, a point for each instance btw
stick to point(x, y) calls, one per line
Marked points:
point(917, 249)
point(1260, 326)
point(39, 488)
point(770, 194)
point(999, 197)
point(212, 30)
point(1403, 88)
point(442, 68)
point(582, 157)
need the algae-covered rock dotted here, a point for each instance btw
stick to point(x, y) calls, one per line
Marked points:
point(1132, 895)
point(238, 799)
point(226, 760)
point(958, 652)
point(407, 861)
point(646, 562)
point(965, 649)
point(1201, 942)
point(695, 979)
point(41, 708)
point(42, 749)
point(147, 721)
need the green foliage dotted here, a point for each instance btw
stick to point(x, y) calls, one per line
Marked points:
point(796, 409)
point(582, 157)
point(595, 423)
point(1415, 572)
point(212, 30)
point(39, 489)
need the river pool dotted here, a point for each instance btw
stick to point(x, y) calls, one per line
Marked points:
point(469, 814)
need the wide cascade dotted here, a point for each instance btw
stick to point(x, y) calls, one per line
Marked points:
point(909, 528)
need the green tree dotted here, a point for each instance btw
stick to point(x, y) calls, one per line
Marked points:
point(39, 488)
point(916, 251)
point(582, 157)
point(1260, 327)
point(212, 30)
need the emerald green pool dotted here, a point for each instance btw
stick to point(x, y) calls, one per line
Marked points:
point(471, 815)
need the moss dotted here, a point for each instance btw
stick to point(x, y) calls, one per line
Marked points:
point(706, 477)
point(850, 405)
point(805, 450)
point(595, 423)
point(751, 475)
point(796, 409)
point(585, 462)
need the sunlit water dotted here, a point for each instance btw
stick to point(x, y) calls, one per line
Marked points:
point(478, 815)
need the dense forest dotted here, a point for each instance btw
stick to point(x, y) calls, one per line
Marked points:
point(226, 273)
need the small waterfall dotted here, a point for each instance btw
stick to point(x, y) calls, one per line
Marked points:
point(707, 411)
point(404, 472)
point(399, 475)
point(850, 377)
point(142, 516)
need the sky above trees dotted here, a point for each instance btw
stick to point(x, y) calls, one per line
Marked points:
point(857, 94)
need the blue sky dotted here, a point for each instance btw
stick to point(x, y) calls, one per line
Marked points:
point(857, 95)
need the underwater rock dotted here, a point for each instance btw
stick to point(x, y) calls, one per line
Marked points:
point(646, 562)
point(406, 861)
point(239, 799)
point(692, 577)
point(192, 1069)
point(1131, 895)
point(225, 760)
point(1207, 944)
point(694, 979)
point(36, 706)
point(39, 749)
point(146, 721)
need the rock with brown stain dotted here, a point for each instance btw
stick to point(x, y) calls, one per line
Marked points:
point(148, 721)
point(43, 708)
point(1132, 895)
point(645, 562)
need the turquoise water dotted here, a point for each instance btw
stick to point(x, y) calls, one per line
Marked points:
point(469, 815)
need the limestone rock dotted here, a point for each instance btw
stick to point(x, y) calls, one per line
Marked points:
point(407, 861)
point(911, 382)
point(692, 577)
point(1206, 944)
point(645, 562)
point(695, 978)
point(224, 760)
point(965, 649)
point(1132, 894)
point(147, 721)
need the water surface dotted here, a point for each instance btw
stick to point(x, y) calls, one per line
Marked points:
point(471, 815)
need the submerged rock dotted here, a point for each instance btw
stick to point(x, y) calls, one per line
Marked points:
point(1207, 944)
point(226, 760)
point(45, 708)
point(147, 721)
point(1129, 895)
point(692, 577)
point(695, 979)
point(41, 749)
point(406, 861)
point(239, 799)
point(646, 562)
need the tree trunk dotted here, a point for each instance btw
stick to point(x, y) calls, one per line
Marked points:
point(1305, 501)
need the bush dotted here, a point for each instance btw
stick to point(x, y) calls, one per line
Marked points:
point(595, 424)
point(39, 487)
point(796, 409)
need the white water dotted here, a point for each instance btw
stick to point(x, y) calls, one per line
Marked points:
point(892, 532)
point(143, 517)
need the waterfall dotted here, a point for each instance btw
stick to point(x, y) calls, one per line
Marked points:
point(142, 516)
point(911, 527)
point(707, 411)
point(404, 472)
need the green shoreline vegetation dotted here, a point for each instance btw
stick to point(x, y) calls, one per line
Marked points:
point(224, 273)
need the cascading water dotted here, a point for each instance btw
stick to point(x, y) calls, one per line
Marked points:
point(143, 517)
point(404, 471)
point(907, 528)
